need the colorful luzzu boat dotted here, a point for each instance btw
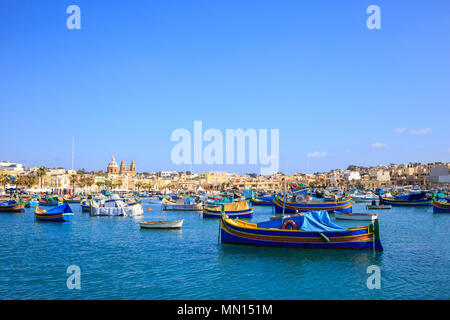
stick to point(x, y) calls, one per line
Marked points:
point(312, 230)
point(51, 201)
point(85, 206)
point(407, 200)
point(12, 206)
point(264, 201)
point(61, 213)
point(441, 207)
point(233, 210)
point(344, 205)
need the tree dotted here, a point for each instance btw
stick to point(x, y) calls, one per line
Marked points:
point(40, 173)
point(30, 180)
point(73, 181)
point(4, 180)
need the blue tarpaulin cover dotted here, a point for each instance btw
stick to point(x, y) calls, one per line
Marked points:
point(310, 221)
point(64, 208)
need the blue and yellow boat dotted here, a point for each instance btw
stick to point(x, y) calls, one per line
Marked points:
point(50, 201)
point(262, 201)
point(312, 230)
point(85, 206)
point(414, 199)
point(61, 213)
point(12, 206)
point(234, 210)
point(344, 205)
point(441, 207)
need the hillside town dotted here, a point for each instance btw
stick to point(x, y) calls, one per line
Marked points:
point(122, 178)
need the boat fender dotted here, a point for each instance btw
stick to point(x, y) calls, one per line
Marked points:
point(292, 223)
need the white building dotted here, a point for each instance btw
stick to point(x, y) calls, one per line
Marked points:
point(439, 174)
point(352, 175)
point(9, 166)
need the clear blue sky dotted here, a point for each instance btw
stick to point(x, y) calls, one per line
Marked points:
point(137, 70)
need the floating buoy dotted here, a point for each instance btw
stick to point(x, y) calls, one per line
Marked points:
point(148, 209)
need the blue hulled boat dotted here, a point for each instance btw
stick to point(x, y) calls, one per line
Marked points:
point(344, 205)
point(312, 230)
point(441, 207)
point(61, 213)
point(412, 199)
point(12, 206)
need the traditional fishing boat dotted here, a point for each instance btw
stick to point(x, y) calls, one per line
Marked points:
point(413, 199)
point(356, 216)
point(50, 201)
point(85, 206)
point(311, 230)
point(71, 199)
point(344, 205)
point(441, 207)
point(262, 201)
point(161, 224)
point(115, 207)
point(61, 213)
point(233, 210)
point(12, 206)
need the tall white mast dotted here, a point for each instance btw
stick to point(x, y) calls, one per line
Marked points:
point(73, 148)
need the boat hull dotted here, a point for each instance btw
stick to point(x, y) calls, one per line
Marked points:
point(399, 202)
point(162, 224)
point(331, 207)
point(60, 217)
point(14, 207)
point(258, 202)
point(248, 213)
point(356, 238)
point(439, 207)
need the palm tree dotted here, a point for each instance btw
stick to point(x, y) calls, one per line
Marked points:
point(30, 180)
point(4, 180)
point(40, 173)
point(73, 180)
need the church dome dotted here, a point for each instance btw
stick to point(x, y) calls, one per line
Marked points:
point(113, 163)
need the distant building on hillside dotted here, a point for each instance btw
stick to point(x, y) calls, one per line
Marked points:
point(439, 174)
point(9, 166)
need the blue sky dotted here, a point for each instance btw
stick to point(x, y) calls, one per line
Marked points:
point(137, 70)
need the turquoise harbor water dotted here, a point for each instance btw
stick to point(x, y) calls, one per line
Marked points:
point(118, 260)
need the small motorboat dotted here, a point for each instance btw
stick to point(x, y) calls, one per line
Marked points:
point(61, 213)
point(161, 224)
point(356, 216)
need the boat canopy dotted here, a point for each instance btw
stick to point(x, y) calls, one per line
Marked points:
point(310, 221)
point(64, 208)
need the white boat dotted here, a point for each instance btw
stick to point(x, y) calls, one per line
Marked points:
point(161, 224)
point(114, 207)
point(356, 216)
point(364, 196)
point(180, 205)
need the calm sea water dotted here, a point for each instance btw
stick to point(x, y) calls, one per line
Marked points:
point(118, 260)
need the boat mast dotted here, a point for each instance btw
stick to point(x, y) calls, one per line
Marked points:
point(73, 148)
